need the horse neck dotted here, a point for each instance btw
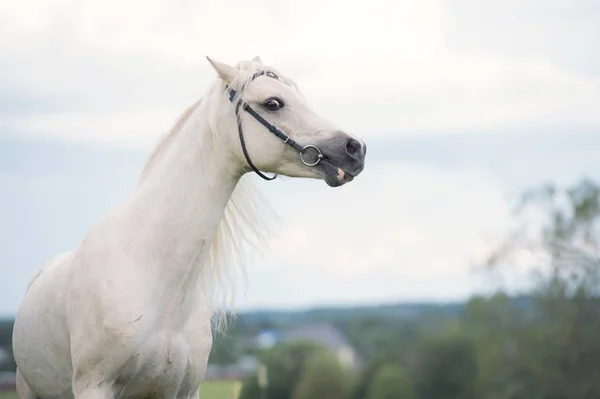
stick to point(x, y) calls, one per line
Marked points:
point(179, 205)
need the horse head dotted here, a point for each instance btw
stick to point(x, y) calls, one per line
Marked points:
point(277, 131)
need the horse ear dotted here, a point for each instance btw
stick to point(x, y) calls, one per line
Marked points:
point(226, 72)
point(257, 59)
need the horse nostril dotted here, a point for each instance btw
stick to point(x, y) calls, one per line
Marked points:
point(352, 147)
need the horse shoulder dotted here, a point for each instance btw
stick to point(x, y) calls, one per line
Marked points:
point(57, 259)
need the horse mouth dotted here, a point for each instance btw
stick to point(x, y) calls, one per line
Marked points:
point(345, 176)
point(335, 176)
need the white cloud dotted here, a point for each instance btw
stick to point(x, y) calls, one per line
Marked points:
point(416, 220)
point(401, 231)
point(130, 129)
point(385, 68)
point(407, 228)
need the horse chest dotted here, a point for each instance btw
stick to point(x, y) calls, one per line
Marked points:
point(166, 361)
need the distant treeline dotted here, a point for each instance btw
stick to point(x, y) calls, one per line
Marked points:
point(248, 324)
point(6, 329)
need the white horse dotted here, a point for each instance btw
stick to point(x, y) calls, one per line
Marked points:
point(128, 314)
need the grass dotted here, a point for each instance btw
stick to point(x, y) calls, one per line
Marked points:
point(217, 389)
point(208, 390)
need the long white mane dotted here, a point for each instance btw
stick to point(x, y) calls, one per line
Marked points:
point(248, 220)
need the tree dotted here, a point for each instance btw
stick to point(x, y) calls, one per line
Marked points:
point(251, 389)
point(284, 363)
point(6, 330)
point(391, 382)
point(225, 350)
point(322, 377)
point(558, 354)
point(554, 224)
point(498, 327)
point(392, 350)
point(448, 368)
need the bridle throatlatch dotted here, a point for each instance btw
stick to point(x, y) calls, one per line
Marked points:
point(272, 128)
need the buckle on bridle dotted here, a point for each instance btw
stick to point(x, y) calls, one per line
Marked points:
point(319, 155)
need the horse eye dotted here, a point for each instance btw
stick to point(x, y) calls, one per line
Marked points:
point(273, 104)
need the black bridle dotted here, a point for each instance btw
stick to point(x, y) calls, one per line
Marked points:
point(272, 128)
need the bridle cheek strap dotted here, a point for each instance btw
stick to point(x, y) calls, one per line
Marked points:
point(272, 128)
point(243, 143)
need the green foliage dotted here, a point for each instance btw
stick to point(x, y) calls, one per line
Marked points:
point(322, 377)
point(567, 342)
point(394, 350)
point(391, 382)
point(10, 364)
point(225, 350)
point(447, 368)
point(546, 350)
point(208, 390)
point(369, 334)
point(284, 363)
point(566, 220)
point(6, 330)
point(251, 389)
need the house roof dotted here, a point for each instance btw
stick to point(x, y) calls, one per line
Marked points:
point(324, 333)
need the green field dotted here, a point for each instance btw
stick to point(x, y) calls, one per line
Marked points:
point(218, 389)
point(208, 390)
point(8, 395)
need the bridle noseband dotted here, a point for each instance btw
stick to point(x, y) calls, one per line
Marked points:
point(272, 128)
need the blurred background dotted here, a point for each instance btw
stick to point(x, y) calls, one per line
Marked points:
point(463, 263)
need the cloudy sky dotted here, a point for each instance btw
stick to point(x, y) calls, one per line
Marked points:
point(463, 103)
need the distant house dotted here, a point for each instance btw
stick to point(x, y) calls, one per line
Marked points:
point(244, 367)
point(327, 335)
point(265, 339)
point(324, 333)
